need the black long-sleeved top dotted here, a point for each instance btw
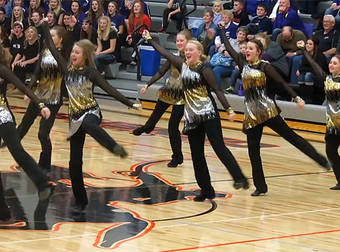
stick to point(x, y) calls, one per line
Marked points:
point(8, 76)
point(198, 81)
point(332, 91)
point(260, 82)
point(79, 83)
point(319, 57)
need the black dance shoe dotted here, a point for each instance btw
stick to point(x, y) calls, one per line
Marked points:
point(175, 162)
point(138, 131)
point(205, 195)
point(120, 151)
point(336, 187)
point(5, 215)
point(257, 193)
point(241, 184)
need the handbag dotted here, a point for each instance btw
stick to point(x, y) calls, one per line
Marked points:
point(218, 59)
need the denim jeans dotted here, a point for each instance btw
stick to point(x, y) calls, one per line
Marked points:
point(295, 63)
point(102, 60)
point(222, 72)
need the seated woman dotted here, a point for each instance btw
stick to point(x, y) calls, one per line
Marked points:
point(88, 32)
point(306, 77)
point(24, 64)
point(106, 42)
point(207, 31)
point(175, 10)
point(136, 18)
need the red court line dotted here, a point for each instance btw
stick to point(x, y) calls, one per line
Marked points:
point(254, 240)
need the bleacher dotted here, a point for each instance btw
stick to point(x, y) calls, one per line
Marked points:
point(123, 77)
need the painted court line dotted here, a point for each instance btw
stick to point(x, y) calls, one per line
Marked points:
point(254, 240)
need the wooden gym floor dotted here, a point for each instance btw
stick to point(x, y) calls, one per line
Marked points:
point(155, 211)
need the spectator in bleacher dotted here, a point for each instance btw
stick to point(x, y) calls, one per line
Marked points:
point(88, 32)
point(117, 20)
point(286, 16)
point(17, 39)
point(18, 16)
point(127, 5)
point(230, 31)
point(260, 23)
point(222, 62)
point(55, 6)
point(34, 5)
point(76, 9)
point(19, 3)
point(7, 7)
point(25, 61)
point(137, 18)
point(240, 15)
point(72, 27)
point(5, 22)
point(328, 36)
point(251, 6)
point(274, 54)
point(175, 10)
point(207, 31)
point(51, 18)
point(306, 78)
point(94, 13)
point(106, 41)
point(217, 9)
point(288, 39)
point(233, 85)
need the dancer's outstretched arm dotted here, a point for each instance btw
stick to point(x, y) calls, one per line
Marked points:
point(177, 61)
point(97, 79)
point(210, 78)
point(8, 75)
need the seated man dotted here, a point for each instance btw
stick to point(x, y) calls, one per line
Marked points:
point(175, 10)
point(240, 15)
point(328, 36)
point(286, 16)
point(287, 40)
point(260, 23)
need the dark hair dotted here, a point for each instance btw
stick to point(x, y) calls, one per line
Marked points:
point(240, 2)
point(3, 10)
point(243, 29)
point(316, 42)
point(258, 44)
point(66, 40)
point(262, 5)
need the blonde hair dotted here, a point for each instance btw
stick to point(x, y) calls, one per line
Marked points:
point(228, 13)
point(35, 34)
point(88, 51)
point(56, 10)
point(199, 46)
point(13, 20)
point(104, 34)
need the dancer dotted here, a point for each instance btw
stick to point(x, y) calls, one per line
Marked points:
point(260, 81)
point(201, 115)
point(10, 136)
point(47, 84)
point(171, 93)
point(332, 90)
point(84, 112)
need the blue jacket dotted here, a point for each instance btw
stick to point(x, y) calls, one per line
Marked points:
point(336, 1)
point(261, 25)
point(201, 29)
point(291, 18)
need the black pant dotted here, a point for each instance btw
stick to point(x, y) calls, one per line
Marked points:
point(178, 17)
point(211, 128)
point(12, 141)
point(332, 146)
point(3, 204)
point(279, 126)
point(175, 119)
point(44, 131)
point(90, 125)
